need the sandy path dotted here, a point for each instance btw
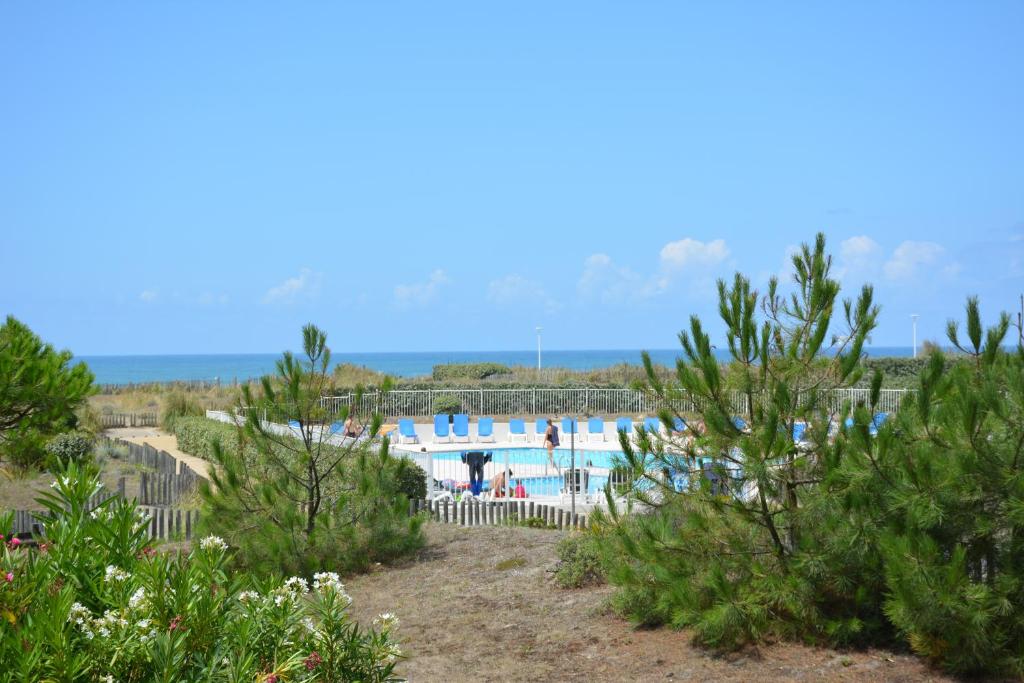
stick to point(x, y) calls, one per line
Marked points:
point(164, 442)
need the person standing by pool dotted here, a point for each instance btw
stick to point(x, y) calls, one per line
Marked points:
point(551, 441)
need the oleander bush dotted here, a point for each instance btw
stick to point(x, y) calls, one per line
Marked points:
point(95, 602)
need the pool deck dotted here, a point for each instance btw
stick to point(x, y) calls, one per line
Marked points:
point(584, 441)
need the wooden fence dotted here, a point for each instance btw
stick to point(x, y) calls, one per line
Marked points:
point(163, 523)
point(498, 513)
point(128, 420)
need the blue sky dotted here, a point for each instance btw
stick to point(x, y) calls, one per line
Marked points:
point(201, 178)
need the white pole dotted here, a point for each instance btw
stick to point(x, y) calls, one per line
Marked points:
point(914, 317)
point(539, 328)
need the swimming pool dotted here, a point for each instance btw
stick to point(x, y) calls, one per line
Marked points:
point(539, 456)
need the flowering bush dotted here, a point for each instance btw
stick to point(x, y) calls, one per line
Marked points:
point(93, 602)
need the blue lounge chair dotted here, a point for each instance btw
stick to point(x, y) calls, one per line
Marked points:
point(485, 429)
point(294, 424)
point(595, 428)
point(540, 427)
point(624, 424)
point(848, 422)
point(678, 424)
point(739, 423)
point(407, 430)
point(516, 428)
point(335, 428)
point(441, 428)
point(460, 427)
point(799, 428)
point(877, 421)
point(569, 426)
point(652, 425)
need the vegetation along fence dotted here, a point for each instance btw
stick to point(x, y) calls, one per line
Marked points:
point(543, 401)
point(128, 420)
point(162, 523)
point(520, 512)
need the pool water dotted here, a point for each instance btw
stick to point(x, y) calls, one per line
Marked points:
point(539, 456)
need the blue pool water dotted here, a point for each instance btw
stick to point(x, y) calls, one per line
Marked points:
point(539, 456)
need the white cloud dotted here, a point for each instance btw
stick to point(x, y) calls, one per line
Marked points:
point(859, 256)
point(148, 295)
point(909, 257)
point(688, 259)
point(602, 279)
point(421, 293)
point(306, 285)
point(515, 289)
point(690, 253)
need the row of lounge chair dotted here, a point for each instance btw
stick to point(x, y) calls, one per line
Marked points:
point(459, 427)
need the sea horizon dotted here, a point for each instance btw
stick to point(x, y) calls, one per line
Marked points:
point(231, 367)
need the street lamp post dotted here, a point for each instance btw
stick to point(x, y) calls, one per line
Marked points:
point(914, 317)
point(539, 328)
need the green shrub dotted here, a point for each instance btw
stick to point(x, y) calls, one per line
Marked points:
point(178, 404)
point(579, 564)
point(24, 450)
point(447, 403)
point(412, 481)
point(69, 447)
point(98, 604)
point(468, 370)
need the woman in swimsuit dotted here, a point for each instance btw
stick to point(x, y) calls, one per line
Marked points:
point(351, 426)
point(551, 441)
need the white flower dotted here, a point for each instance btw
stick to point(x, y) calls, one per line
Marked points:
point(393, 652)
point(386, 621)
point(279, 599)
point(138, 597)
point(248, 596)
point(108, 679)
point(144, 624)
point(104, 631)
point(296, 585)
point(308, 623)
point(325, 580)
point(213, 543)
point(79, 613)
point(116, 574)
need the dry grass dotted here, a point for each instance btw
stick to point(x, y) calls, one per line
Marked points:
point(480, 604)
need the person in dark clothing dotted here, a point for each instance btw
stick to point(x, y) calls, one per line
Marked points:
point(476, 461)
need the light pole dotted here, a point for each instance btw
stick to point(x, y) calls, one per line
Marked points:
point(539, 328)
point(914, 317)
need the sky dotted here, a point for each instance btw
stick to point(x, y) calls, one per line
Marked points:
point(207, 177)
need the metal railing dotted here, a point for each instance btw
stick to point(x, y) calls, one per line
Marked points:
point(544, 401)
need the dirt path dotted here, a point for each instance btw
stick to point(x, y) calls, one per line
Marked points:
point(479, 604)
point(161, 441)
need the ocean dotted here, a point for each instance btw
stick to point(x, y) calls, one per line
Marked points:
point(230, 367)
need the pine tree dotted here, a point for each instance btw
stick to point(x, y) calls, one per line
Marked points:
point(294, 499)
point(729, 541)
point(941, 493)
